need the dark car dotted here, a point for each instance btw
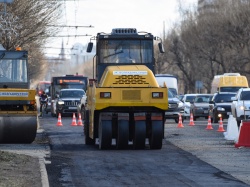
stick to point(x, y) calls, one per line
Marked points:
point(68, 100)
point(200, 106)
point(175, 107)
point(220, 106)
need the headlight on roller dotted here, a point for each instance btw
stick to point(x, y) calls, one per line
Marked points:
point(105, 94)
point(157, 95)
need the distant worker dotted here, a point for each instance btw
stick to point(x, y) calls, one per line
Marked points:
point(43, 101)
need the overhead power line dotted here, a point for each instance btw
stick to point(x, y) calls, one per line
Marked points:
point(75, 26)
point(53, 47)
point(59, 54)
point(77, 35)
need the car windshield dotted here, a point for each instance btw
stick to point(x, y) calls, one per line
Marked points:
point(72, 93)
point(245, 95)
point(190, 98)
point(229, 89)
point(203, 99)
point(173, 91)
point(180, 97)
point(223, 98)
point(170, 94)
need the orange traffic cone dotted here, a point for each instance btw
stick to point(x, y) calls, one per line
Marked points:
point(74, 120)
point(79, 123)
point(221, 129)
point(209, 125)
point(180, 125)
point(191, 123)
point(59, 121)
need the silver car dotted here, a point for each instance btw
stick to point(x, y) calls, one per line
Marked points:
point(199, 107)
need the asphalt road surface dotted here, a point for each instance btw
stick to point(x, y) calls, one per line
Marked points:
point(75, 164)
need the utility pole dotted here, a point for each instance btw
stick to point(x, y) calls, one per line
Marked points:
point(163, 31)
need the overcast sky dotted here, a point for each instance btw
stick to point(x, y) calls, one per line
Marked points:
point(103, 15)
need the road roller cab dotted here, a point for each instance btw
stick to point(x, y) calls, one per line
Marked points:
point(124, 100)
point(18, 110)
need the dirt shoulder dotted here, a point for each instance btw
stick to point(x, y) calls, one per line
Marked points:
point(21, 165)
point(19, 170)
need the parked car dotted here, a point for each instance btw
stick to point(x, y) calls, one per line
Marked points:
point(187, 98)
point(220, 106)
point(175, 107)
point(240, 107)
point(200, 106)
point(68, 100)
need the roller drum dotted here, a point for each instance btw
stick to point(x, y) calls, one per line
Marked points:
point(18, 129)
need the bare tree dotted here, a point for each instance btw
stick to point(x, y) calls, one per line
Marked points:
point(205, 45)
point(28, 24)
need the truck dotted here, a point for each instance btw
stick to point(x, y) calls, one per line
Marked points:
point(65, 82)
point(18, 108)
point(170, 80)
point(124, 100)
point(228, 82)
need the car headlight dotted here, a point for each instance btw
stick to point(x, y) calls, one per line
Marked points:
point(60, 102)
point(220, 109)
point(242, 107)
point(172, 105)
point(180, 104)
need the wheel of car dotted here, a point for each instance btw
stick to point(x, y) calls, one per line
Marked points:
point(177, 120)
point(195, 118)
point(215, 119)
point(212, 120)
point(238, 123)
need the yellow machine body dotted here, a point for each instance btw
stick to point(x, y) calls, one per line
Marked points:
point(124, 100)
point(18, 115)
point(18, 109)
point(130, 86)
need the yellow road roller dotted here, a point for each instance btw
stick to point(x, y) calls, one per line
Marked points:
point(125, 105)
point(18, 110)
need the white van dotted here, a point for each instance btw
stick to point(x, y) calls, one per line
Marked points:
point(170, 80)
